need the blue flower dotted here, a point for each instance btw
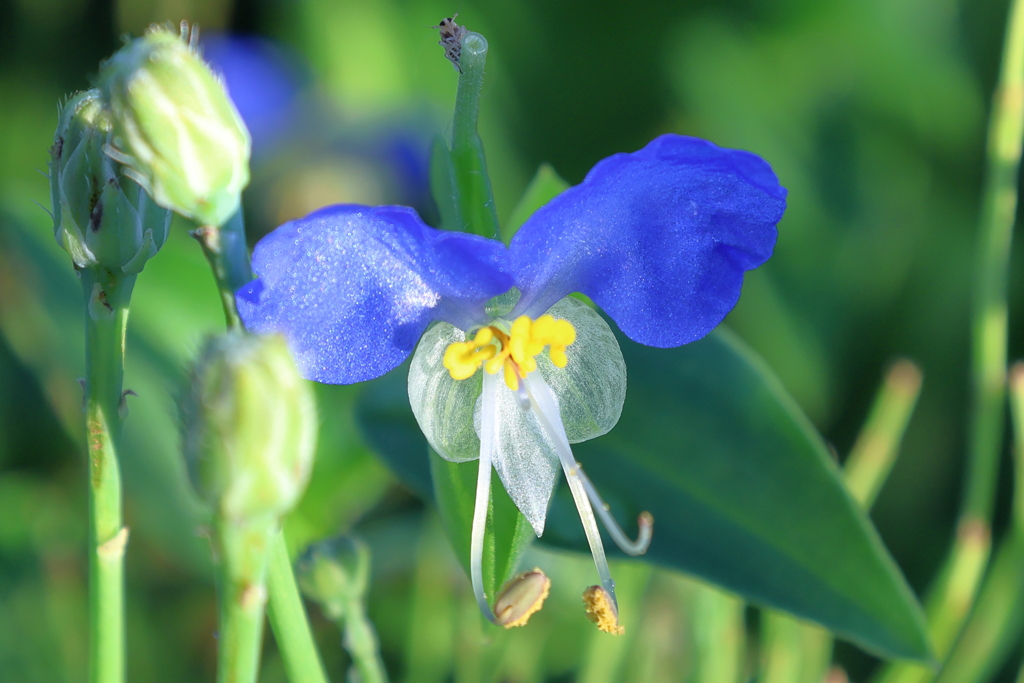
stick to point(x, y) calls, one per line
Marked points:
point(659, 239)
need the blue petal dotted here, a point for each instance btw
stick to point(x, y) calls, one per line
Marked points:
point(659, 239)
point(353, 287)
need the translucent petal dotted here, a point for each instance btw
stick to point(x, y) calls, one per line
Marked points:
point(524, 456)
point(443, 406)
point(592, 386)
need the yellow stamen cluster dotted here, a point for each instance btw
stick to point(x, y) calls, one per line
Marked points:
point(463, 358)
point(601, 611)
point(514, 353)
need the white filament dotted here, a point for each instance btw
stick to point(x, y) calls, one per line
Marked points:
point(545, 408)
point(634, 548)
point(483, 495)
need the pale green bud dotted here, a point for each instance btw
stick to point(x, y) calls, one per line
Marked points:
point(175, 126)
point(249, 427)
point(101, 217)
point(335, 573)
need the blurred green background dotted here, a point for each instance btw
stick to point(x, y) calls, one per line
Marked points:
point(872, 112)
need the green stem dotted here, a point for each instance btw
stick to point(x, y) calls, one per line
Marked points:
point(288, 618)
point(360, 640)
point(475, 200)
point(874, 453)
point(989, 323)
point(951, 598)
point(795, 651)
point(226, 251)
point(998, 618)
point(106, 295)
point(243, 551)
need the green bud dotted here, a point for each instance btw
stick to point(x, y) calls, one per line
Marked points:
point(101, 217)
point(175, 127)
point(249, 427)
point(335, 573)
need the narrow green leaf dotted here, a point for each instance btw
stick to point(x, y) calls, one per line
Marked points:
point(545, 186)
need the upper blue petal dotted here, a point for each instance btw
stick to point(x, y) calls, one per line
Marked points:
point(353, 287)
point(659, 239)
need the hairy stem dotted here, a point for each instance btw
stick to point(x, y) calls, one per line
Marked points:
point(106, 296)
point(243, 551)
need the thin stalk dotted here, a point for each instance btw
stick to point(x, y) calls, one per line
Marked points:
point(106, 297)
point(796, 651)
point(225, 250)
point(717, 634)
point(989, 322)
point(793, 651)
point(998, 617)
point(360, 641)
point(243, 550)
point(475, 200)
point(288, 618)
point(874, 453)
point(951, 598)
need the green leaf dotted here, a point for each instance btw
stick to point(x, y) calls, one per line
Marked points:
point(545, 186)
point(743, 491)
point(745, 494)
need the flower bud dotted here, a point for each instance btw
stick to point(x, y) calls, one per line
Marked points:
point(335, 573)
point(249, 427)
point(101, 217)
point(175, 127)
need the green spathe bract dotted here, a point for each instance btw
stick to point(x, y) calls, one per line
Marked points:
point(250, 426)
point(175, 126)
point(101, 216)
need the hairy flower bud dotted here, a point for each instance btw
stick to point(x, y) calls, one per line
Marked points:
point(250, 426)
point(335, 573)
point(101, 217)
point(175, 127)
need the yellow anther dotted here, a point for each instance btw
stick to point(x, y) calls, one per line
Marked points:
point(463, 358)
point(521, 598)
point(601, 611)
point(513, 353)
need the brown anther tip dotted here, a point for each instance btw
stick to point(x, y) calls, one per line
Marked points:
point(601, 611)
point(646, 519)
point(521, 598)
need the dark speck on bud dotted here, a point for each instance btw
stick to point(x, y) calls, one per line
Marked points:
point(101, 217)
